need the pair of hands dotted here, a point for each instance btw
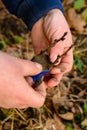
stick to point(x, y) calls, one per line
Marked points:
point(15, 74)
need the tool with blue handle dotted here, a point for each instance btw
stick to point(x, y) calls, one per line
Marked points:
point(38, 76)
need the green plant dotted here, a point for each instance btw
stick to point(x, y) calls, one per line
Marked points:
point(78, 118)
point(84, 14)
point(85, 108)
point(17, 39)
point(78, 64)
point(62, 110)
point(2, 44)
point(69, 126)
point(78, 4)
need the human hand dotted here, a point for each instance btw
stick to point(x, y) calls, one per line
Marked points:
point(44, 32)
point(16, 84)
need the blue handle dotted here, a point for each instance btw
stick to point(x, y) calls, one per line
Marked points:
point(38, 76)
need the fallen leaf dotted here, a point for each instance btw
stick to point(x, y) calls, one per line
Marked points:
point(59, 124)
point(76, 127)
point(1, 4)
point(50, 124)
point(67, 116)
point(3, 11)
point(84, 122)
point(0, 127)
point(75, 21)
point(7, 126)
point(84, 14)
point(54, 124)
point(81, 93)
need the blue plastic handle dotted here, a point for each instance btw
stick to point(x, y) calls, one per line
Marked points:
point(38, 76)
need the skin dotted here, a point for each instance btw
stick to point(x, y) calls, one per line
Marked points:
point(15, 74)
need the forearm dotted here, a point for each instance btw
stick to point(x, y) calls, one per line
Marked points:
point(31, 10)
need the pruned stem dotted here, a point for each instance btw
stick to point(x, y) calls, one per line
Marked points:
point(60, 56)
point(54, 42)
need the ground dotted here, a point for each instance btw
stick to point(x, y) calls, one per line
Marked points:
point(65, 107)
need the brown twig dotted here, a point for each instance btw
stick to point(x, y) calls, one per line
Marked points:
point(72, 45)
point(54, 42)
point(60, 56)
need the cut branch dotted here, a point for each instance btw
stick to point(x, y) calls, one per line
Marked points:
point(54, 42)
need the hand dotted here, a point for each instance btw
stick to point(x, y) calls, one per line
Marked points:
point(44, 32)
point(16, 84)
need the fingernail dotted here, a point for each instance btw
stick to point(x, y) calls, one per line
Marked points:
point(38, 66)
point(53, 58)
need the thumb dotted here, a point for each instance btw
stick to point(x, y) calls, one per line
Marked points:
point(30, 68)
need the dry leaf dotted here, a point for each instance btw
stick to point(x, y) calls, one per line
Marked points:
point(1, 4)
point(59, 124)
point(67, 116)
point(70, 1)
point(76, 127)
point(81, 93)
point(55, 124)
point(7, 126)
point(75, 21)
point(3, 11)
point(50, 124)
point(0, 127)
point(84, 122)
point(78, 108)
point(80, 80)
point(63, 89)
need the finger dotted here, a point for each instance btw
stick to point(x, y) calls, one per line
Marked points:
point(24, 95)
point(59, 48)
point(42, 89)
point(30, 68)
point(55, 70)
point(66, 62)
point(38, 96)
point(55, 80)
point(30, 97)
point(35, 103)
